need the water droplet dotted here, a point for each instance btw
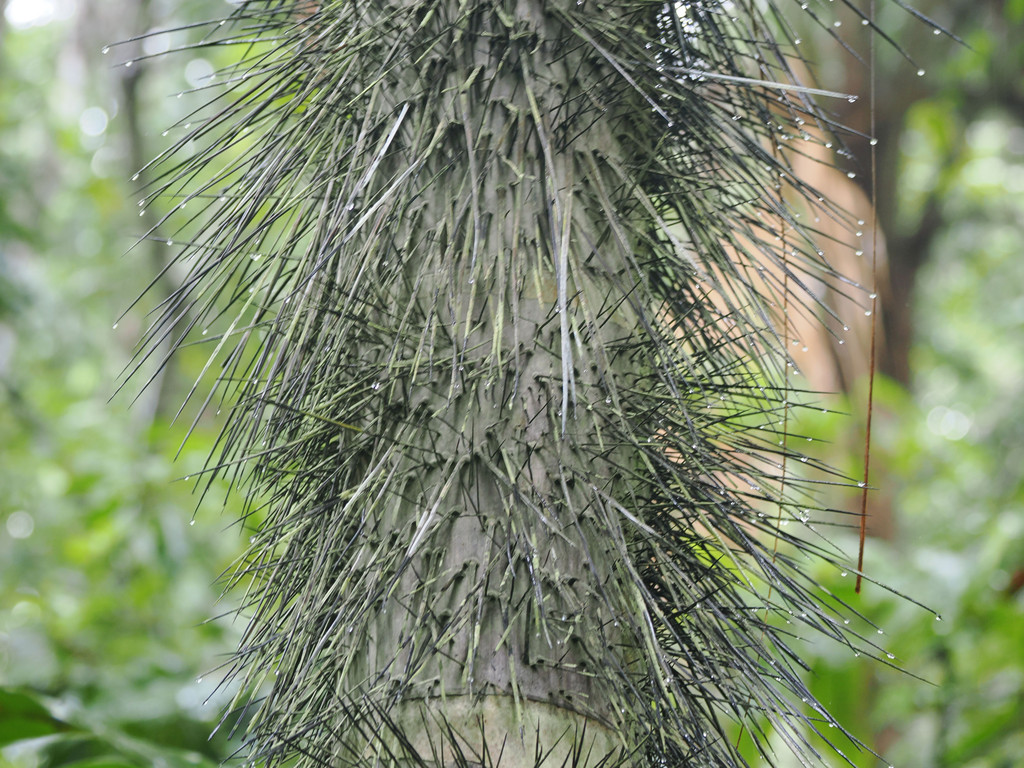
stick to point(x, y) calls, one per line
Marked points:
point(191, 522)
point(852, 99)
point(105, 50)
point(837, 24)
point(252, 539)
point(130, 62)
point(861, 485)
point(199, 679)
point(135, 177)
point(797, 41)
point(846, 327)
point(872, 296)
point(881, 632)
point(846, 621)
point(844, 573)
point(891, 656)
point(165, 133)
point(170, 242)
point(867, 313)
point(920, 73)
point(934, 32)
point(205, 331)
point(114, 326)
point(938, 617)
point(873, 142)
point(864, 22)
point(851, 175)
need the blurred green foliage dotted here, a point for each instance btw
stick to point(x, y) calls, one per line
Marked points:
point(107, 586)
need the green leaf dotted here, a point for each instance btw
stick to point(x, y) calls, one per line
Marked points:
point(23, 717)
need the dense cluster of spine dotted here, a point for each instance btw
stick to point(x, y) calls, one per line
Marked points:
point(495, 293)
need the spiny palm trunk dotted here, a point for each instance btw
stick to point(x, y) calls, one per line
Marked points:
point(472, 303)
point(497, 422)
